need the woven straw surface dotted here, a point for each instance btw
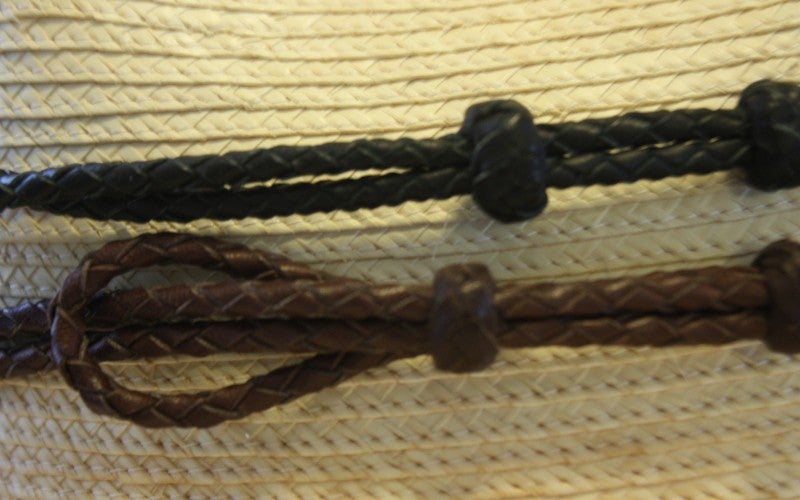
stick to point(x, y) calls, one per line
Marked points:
point(124, 80)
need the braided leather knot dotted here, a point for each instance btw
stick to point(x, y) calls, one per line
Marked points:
point(773, 110)
point(464, 321)
point(508, 162)
point(780, 264)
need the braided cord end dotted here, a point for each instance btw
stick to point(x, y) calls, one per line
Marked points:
point(773, 110)
point(780, 264)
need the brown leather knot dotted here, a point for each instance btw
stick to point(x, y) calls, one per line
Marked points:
point(780, 264)
point(464, 321)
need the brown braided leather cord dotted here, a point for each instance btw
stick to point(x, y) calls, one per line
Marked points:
point(350, 326)
point(717, 289)
point(403, 339)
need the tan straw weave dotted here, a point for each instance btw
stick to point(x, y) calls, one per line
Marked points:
point(108, 80)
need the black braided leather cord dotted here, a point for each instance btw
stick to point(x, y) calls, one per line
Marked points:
point(393, 189)
point(210, 172)
point(498, 156)
point(637, 129)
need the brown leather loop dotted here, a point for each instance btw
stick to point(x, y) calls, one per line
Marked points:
point(780, 264)
point(463, 321)
point(70, 344)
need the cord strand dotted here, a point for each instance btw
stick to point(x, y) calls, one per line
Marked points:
point(498, 156)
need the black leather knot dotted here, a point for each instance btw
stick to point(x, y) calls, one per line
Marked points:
point(463, 322)
point(780, 263)
point(773, 110)
point(509, 160)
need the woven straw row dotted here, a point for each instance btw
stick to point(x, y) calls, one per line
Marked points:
point(586, 234)
point(97, 80)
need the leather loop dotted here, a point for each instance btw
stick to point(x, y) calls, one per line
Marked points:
point(780, 264)
point(773, 110)
point(71, 351)
point(509, 161)
point(464, 322)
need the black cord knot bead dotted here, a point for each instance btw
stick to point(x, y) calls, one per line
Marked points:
point(463, 320)
point(780, 264)
point(508, 161)
point(773, 111)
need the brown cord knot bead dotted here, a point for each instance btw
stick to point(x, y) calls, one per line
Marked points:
point(780, 264)
point(464, 321)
